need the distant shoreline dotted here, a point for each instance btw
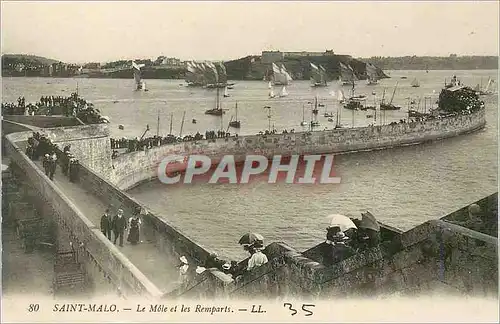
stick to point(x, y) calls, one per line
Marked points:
point(248, 79)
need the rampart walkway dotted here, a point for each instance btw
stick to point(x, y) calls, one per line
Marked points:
point(157, 266)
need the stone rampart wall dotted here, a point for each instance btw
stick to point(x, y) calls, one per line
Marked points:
point(108, 258)
point(136, 167)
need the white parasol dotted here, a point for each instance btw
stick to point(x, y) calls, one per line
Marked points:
point(341, 221)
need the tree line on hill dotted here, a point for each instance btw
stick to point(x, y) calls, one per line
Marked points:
point(452, 62)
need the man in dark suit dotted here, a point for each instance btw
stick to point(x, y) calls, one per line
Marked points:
point(119, 226)
point(106, 224)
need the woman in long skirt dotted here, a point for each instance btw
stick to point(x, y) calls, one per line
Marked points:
point(133, 234)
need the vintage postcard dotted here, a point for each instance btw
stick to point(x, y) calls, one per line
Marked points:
point(251, 162)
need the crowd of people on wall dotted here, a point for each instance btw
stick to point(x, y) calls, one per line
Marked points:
point(74, 105)
point(137, 144)
point(344, 238)
point(40, 146)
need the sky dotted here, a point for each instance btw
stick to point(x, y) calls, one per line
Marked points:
point(99, 31)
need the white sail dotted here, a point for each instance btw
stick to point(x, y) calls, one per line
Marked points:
point(137, 74)
point(371, 72)
point(347, 74)
point(279, 77)
point(287, 76)
point(283, 93)
point(415, 83)
point(488, 85)
point(318, 75)
point(226, 93)
point(271, 93)
point(270, 85)
point(341, 96)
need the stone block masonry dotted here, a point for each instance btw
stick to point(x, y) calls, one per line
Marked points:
point(122, 273)
point(136, 167)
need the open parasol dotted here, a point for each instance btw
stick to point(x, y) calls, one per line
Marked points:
point(344, 222)
point(250, 238)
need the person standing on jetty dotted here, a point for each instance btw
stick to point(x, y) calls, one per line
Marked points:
point(45, 163)
point(52, 164)
point(119, 226)
point(133, 234)
point(106, 224)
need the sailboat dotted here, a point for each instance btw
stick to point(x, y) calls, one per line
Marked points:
point(217, 111)
point(389, 106)
point(193, 75)
point(347, 75)
point(221, 81)
point(328, 114)
point(314, 120)
point(226, 93)
point(486, 91)
point(139, 83)
point(283, 92)
point(355, 102)
point(371, 72)
point(235, 123)
point(271, 93)
point(318, 76)
point(415, 83)
point(280, 75)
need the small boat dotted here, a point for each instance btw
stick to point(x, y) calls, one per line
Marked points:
point(389, 106)
point(384, 106)
point(193, 121)
point(415, 83)
point(230, 87)
point(121, 127)
point(235, 123)
point(104, 119)
point(403, 77)
point(415, 113)
point(353, 105)
point(327, 114)
point(314, 123)
point(330, 120)
point(139, 83)
point(217, 111)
